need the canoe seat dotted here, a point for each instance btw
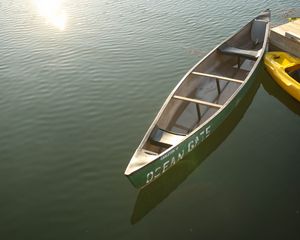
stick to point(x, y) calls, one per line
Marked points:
point(258, 31)
point(257, 37)
point(252, 54)
point(164, 138)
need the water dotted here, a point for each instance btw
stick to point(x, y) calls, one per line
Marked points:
point(80, 83)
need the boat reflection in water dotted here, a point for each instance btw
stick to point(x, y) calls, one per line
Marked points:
point(154, 193)
point(276, 91)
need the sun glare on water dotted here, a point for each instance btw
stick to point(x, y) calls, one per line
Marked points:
point(52, 11)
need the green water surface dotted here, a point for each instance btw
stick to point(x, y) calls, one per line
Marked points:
point(81, 81)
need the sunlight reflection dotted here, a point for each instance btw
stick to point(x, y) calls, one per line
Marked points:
point(52, 11)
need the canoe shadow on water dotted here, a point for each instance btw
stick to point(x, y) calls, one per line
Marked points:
point(276, 91)
point(154, 193)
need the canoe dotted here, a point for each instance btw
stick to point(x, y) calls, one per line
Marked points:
point(200, 102)
point(285, 70)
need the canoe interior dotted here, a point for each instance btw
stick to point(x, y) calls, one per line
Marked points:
point(182, 117)
point(201, 93)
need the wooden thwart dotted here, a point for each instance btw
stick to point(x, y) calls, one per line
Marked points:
point(197, 101)
point(218, 77)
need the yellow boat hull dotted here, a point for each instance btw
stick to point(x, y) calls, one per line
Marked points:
point(291, 19)
point(281, 65)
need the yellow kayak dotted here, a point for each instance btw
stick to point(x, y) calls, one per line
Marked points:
point(291, 19)
point(285, 70)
